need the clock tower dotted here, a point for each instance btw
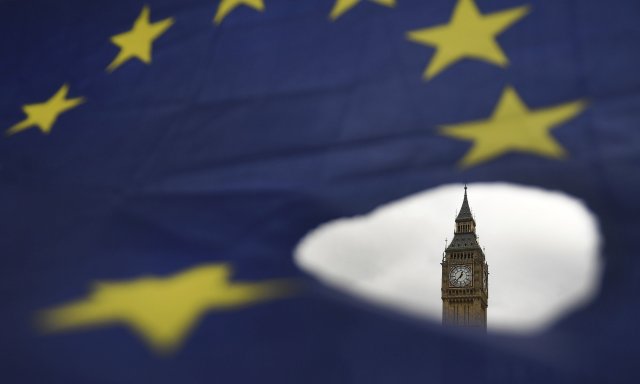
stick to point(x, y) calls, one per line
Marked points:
point(465, 288)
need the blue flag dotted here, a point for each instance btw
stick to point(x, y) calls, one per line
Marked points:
point(161, 160)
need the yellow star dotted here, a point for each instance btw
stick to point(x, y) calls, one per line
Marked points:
point(469, 34)
point(136, 43)
point(342, 6)
point(162, 310)
point(514, 128)
point(44, 115)
point(226, 6)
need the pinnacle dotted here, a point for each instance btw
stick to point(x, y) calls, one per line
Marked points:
point(465, 210)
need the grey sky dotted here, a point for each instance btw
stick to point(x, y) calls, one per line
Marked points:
point(541, 246)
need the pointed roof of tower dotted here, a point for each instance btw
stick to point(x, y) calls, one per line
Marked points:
point(465, 210)
point(464, 240)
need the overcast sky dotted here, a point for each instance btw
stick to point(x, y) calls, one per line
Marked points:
point(541, 246)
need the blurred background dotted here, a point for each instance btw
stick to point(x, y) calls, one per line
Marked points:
point(162, 161)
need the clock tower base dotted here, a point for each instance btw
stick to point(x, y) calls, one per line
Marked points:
point(465, 312)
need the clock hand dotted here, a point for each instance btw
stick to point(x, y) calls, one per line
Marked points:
point(460, 275)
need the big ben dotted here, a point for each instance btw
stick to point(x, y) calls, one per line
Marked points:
point(465, 286)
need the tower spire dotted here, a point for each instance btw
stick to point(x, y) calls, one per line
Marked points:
point(465, 211)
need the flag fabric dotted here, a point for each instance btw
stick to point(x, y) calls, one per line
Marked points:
point(160, 161)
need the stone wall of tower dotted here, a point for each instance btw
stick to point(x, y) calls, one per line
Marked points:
point(464, 312)
point(466, 306)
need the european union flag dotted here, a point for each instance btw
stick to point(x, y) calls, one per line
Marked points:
point(161, 160)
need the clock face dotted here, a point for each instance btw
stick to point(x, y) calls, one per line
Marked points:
point(460, 276)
